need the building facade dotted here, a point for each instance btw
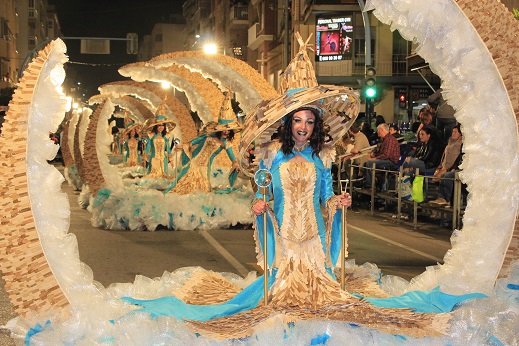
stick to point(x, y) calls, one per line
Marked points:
point(338, 37)
point(165, 38)
point(9, 60)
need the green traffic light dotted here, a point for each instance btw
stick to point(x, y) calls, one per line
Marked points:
point(371, 92)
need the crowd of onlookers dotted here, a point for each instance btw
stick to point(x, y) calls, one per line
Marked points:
point(435, 148)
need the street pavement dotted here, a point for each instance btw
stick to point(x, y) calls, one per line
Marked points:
point(118, 256)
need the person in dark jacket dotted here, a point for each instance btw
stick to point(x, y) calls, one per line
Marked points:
point(426, 155)
point(445, 120)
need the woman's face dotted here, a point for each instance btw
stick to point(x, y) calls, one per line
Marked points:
point(160, 128)
point(426, 119)
point(225, 134)
point(455, 134)
point(424, 136)
point(303, 123)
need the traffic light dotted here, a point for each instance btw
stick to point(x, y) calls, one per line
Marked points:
point(401, 101)
point(370, 92)
point(371, 81)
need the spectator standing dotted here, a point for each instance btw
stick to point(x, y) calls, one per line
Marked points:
point(426, 119)
point(445, 120)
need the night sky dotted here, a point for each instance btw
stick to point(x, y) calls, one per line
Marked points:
point(102, 18)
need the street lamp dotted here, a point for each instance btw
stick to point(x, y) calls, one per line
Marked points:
point(210, 48)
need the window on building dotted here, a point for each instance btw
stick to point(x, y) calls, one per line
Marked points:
point(401, 50)
point(4, 29)
point(359, 48)
point(32, 10)
point(32, 42)
point(50, 24)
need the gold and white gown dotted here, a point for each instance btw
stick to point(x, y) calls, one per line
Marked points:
point(157, 164)
point(133, 155)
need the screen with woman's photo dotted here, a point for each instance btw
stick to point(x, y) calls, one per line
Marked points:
point(334, 38)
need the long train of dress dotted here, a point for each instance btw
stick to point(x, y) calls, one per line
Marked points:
point(301, 287)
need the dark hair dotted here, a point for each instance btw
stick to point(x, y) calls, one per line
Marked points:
point(394, 126)
point(427, 130)
point(155, 128)
point(427, 113)
point(276, 134)
point(426, 118)
point(379, 120)
point(129, 134)
point(355, 128)
point(316, 139)
point(458, 127)
point(230, 137)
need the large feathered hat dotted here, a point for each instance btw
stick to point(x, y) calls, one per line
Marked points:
point(226, 118)
point(338, 106)
point(130, 124)
point(161, 118)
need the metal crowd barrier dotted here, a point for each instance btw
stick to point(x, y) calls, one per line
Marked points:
point(395, 195)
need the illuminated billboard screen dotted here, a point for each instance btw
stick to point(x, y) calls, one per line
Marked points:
point(333, 38)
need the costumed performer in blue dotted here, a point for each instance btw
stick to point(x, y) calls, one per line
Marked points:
point(132, 157)
point(158, 148)
point(199, 154)
point(303, 246)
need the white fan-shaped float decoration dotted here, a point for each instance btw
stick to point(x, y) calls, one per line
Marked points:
point(36, 239)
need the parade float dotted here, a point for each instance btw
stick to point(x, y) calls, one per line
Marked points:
point(59, 303)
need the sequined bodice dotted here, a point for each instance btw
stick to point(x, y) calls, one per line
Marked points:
point(298, 179)
point(158, 142)
point(211, 145)
point(132, 144)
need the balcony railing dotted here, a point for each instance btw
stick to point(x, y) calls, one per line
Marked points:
point(385, 64)
point(240, 12)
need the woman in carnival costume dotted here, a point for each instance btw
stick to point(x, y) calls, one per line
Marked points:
point(158, 148)
point(302, 248)
point(132, 157)
point(199, 154)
